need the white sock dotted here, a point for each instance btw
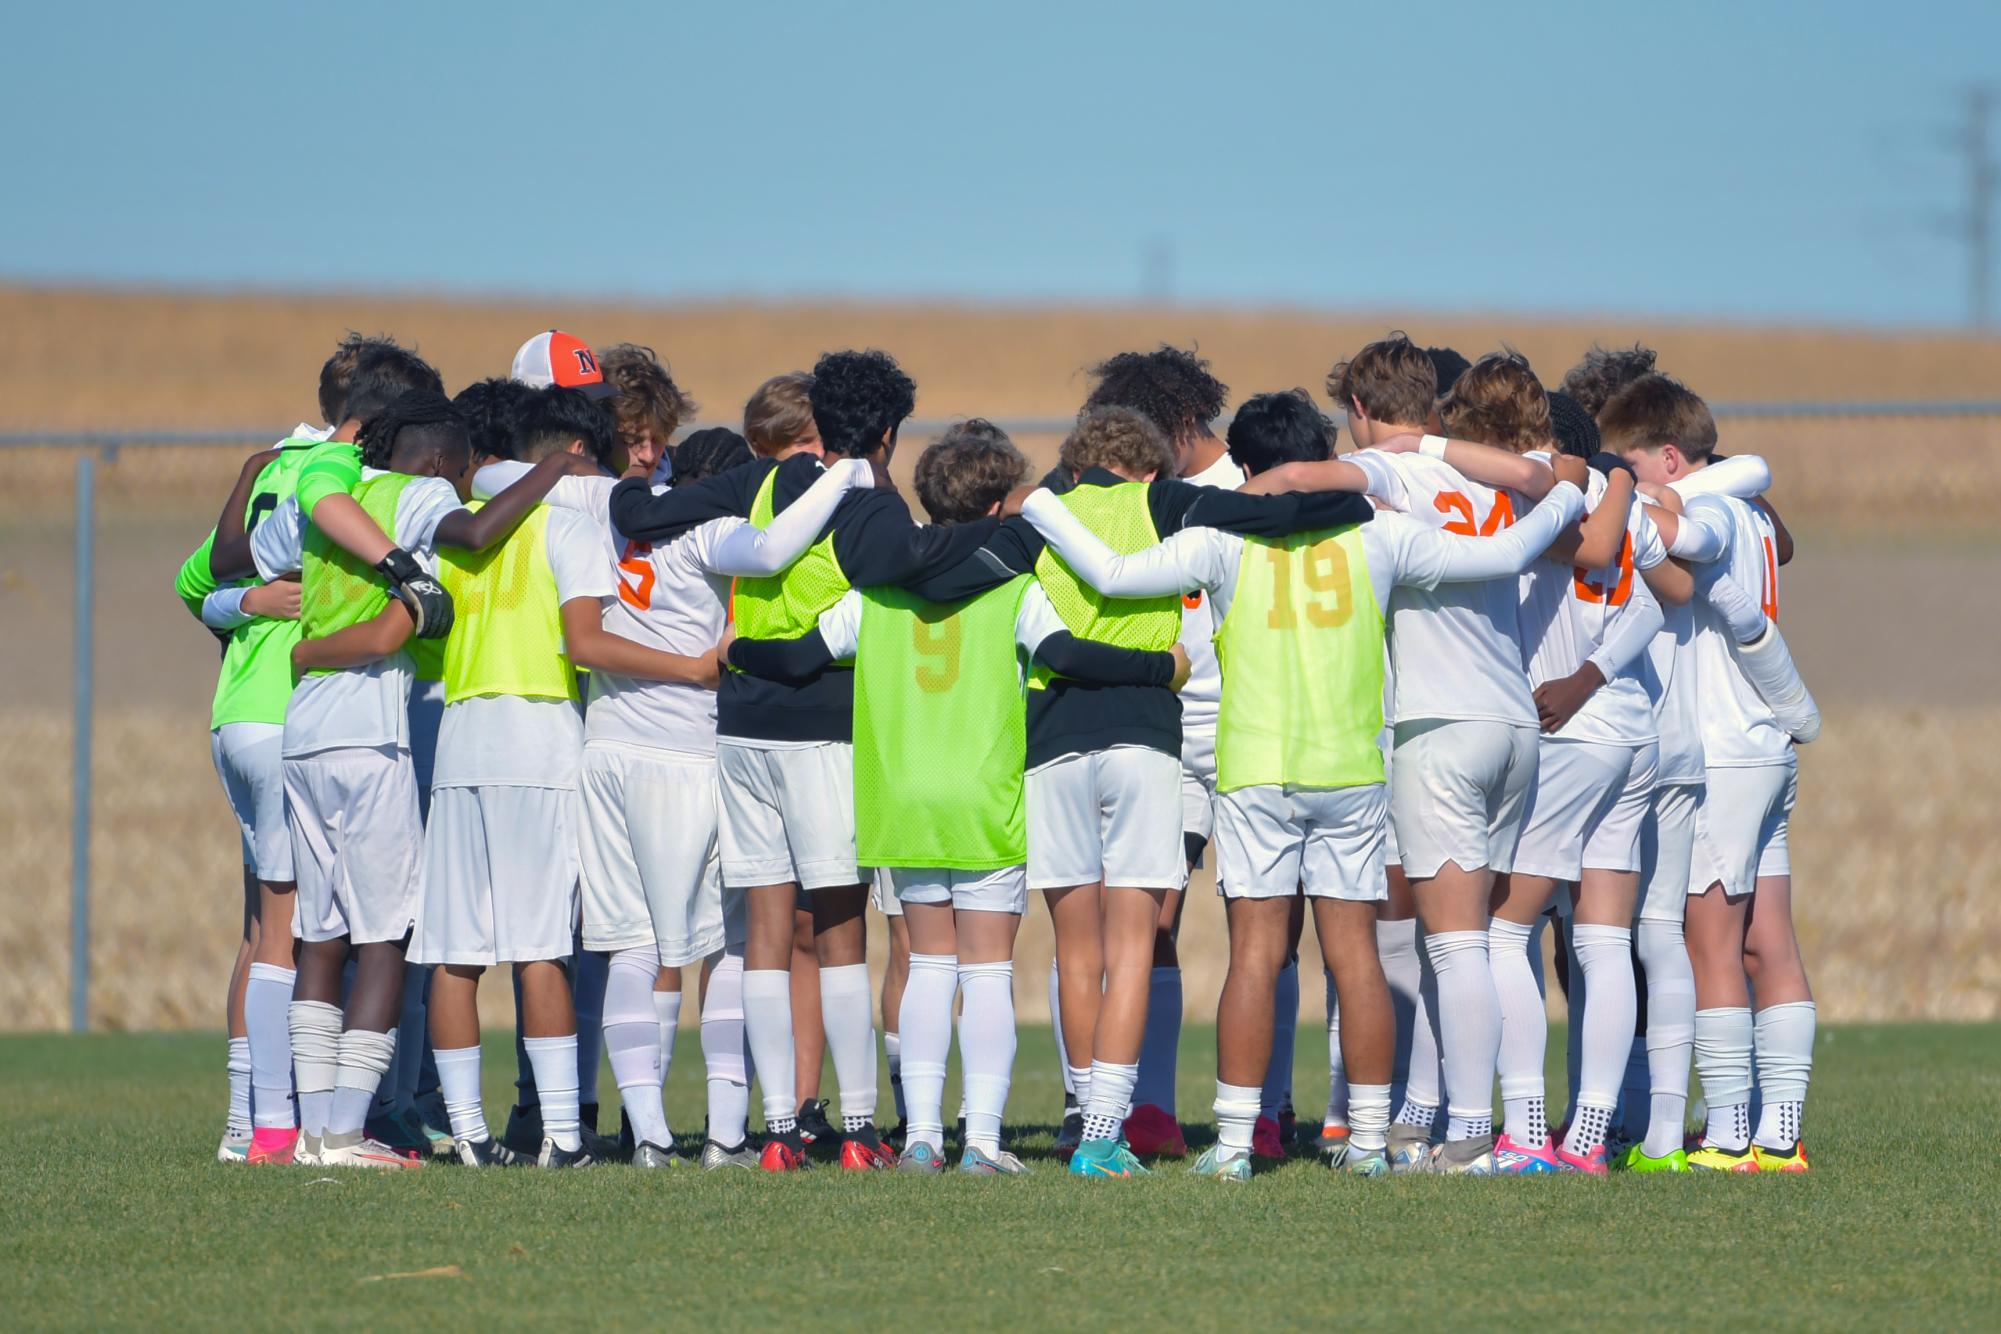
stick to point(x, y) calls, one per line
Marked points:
point(1160, 1044)
point(892, 1050)
point(1603, 956)
point(925, 1022)
point(1284, 1042)
point(589, 975)
point(267, 1001)
point(1368, 1116)
point(1108, 1098)
point(1236, 1117)
point(315, 1060)
point(1723, 1059)
point(364, 1059)
point(1783, 1037)
point(238, 1125)
point(1056, 1024)
point(667, 1014)
point(1424, 1087)
point(458, 1082)
point(986, 1048)
point(1469, 1029)
point(767, 1021)
point(1337, 1069)
point(725, 1054)
point(848, 1010)
point(632, 1040)
point(1576, 997)
point(1079, 1082)
point(1670, 1033)
point(555, 1063)
point(1524, 1033)
point(1396, 946)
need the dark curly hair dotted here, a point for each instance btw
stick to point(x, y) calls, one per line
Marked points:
point(554, 416)
point(1447, 365)
point(859, 400)
point(1604, 372)
point(383, 372)
point(492, 411)
point(421, 418)
point(706, 452)
point(1170, 387)
point(1271, 429)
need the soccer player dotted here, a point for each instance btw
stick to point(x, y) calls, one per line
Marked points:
point(1739, 919)
point(648, 408)
point(941, 736)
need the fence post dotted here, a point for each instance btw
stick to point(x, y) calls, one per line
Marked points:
point(79, 889)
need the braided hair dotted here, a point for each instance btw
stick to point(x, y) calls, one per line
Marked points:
point(414, 419)
point(707, 452)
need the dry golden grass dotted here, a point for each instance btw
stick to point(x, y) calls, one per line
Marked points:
point(1892, 868)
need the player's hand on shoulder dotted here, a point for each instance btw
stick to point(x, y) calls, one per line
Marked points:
point(1181, 668)
point(1570, 469)
point(859, 473)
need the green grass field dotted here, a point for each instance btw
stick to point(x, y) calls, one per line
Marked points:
point(112, 1213)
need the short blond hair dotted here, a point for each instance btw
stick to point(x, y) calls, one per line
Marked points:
point(1118, 440)
point(780, 414)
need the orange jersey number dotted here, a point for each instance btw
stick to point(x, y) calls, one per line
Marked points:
point(635, 576)
point(1455, 502)
point(1770, 602)
point(1590, 590)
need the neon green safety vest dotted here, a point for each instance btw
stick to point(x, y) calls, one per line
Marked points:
point(336, 589)
point(1122, 521)
point(788, 604)
point(940, 732)
point(507, 625)
point(1302, 657)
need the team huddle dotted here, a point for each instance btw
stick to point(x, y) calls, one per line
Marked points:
point(509, 679)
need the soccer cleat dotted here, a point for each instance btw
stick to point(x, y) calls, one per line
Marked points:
point(554, 1156)
point(1635, 1159)
point(977, 1162)
point(307, 1152)
point(1410, 1147)
point(1105, 1158)
point(1710, 1158)
point(652, 1156)
point(1768, 666)
point(1472, 1157)
point(524, 1130)
point(1366, 1163)
point(1591, 1162)
point(814, 1128)
point(899, 1135)
point(1070, 1135)
point(1288, 1123)
point(485, 1153)
point(398, 1135)
point(716, 1157)
point(270, 1144)
point(1332, 1144)
point(784, 1153)
point(233, 1149)
point(356, 1149)
point(1214, 1163)
point(919, 1158)
point(864, 1151)
point(1515, 1159)
point(1775, 1160)
point(603, 1148)
point(1266, 1140)
point(1153, 1130)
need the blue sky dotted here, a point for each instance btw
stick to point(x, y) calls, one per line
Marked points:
point(1761, 161)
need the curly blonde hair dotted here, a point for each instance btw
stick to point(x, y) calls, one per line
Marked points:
point(1498, 402)
point(1119, 440)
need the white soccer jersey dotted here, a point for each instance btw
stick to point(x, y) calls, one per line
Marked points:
point(367, 705)
point(1203, 695)
point(1738, 730)
point(1457, 646)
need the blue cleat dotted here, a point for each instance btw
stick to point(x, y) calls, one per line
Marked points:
point(1235, 1167)
point(1105, 1158)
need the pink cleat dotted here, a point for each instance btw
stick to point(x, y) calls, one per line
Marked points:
point(272, 1144)
point(1266, 1142)
point(1591, 1162)
point(1514, 1158)
point(1152, 1131)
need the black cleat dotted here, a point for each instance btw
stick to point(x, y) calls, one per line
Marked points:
point(486, 1153)
point(524, 1130)
point(551, 1156)
point(814, 1128)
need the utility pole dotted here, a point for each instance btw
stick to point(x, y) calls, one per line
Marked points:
point(1983, 179)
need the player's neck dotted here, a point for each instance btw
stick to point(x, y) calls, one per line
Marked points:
point(1207, 449)
point(349, 429)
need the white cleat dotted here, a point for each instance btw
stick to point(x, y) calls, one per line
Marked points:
point(1768, 665)
point(355, 1149)
point(234, 1148)
point(306, 1153)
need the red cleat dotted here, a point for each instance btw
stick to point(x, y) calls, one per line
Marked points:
point(270, 1145)
point(782, 1156)
point(1265, 1140)
point(865, 1154)
point(1154, 1132)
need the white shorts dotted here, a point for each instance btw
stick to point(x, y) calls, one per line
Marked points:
point(1108, 816)
point(648, 854)
point(1460, 790)
point(1740, 831)
point(1272, 842)
point(1003, 890)
point(1198, 804)
point(882, 893)
point(1667, 842)
point(357, 843)
point(249, 759)
point(1589, 802)
point(500, 876)
point(788, 815)
point(1392, 854)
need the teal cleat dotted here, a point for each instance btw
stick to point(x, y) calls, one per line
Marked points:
point(1366, 1163)
point(1212, 1163)
point(1105, 1158)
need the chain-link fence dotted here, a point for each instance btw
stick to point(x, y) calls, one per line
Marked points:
point(1888, 605)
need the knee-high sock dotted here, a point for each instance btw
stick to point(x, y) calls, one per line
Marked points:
point(315, 1061)
point(1576, 998)
point(1670, 1032)
point(1337, 1069)
point(1723, 1059)
point(1396, 946)
point(1056, 1024)
point(365, 1060)
point(1160, 1045)
point(667, 1014)
point(1783, 1036)
point(555, 1062)
point(726, 1054)
point(238, 1124)
point(632, 1040)
point(1423, 1075)
point(1469, 1029)
point(1284, 1042)
point(1603, 957)
point(986, 1048)
point(924, 1022)
point(588, 980)
point(847, 1009)
point(767, 1021)
point(267, 1001)
point(458, 1084)
point(1524, 1032)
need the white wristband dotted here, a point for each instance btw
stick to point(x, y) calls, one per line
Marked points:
point(1432, 446)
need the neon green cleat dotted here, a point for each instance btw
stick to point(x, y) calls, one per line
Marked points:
point(1635, 1159)
point(1212, 1163)
point(1710, 1158)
